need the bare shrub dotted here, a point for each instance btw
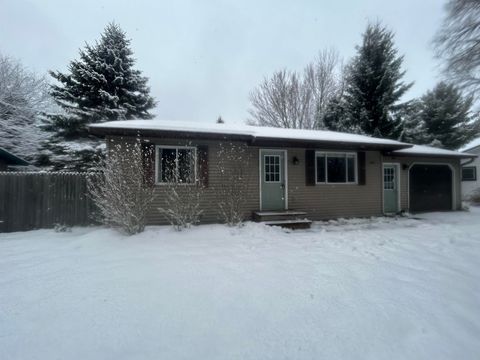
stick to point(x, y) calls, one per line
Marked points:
point(182, 193)
point(232, 168)
point(121, 189)
point(475, 197)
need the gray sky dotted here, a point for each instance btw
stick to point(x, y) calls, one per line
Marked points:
point(204, 57)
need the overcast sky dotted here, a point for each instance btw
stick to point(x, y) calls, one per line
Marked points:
point(204, 57)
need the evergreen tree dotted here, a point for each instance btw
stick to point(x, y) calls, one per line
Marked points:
point(336, 117)
point(413, 127)
point(101, 86)
point(447, 116)
point(374, 86)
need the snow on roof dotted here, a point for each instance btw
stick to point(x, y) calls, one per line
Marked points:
point(432, 151)
point(472, 144)
point(247, 130)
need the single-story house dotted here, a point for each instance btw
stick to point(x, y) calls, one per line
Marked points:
point(7, 159)
point(316, 174)
point(470, 169)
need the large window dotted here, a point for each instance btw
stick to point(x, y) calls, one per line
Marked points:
point(175, 164)
point(336, 168)
point(469, 173)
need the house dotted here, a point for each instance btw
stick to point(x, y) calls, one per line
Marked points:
point(316, 174)
point(7, 159)
point(470, 169)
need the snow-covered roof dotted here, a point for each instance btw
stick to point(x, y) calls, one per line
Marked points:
point(247, 130)
point(472, 144)
point(431, 151)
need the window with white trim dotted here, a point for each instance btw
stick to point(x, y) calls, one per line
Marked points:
point(176, 164)
point(469, 173)
point(336, 167)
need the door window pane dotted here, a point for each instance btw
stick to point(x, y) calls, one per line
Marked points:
point(389, 178)
point(272, 168)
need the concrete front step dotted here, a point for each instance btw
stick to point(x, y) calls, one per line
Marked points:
point(290, 224)
point(278, 215)
point(292, 219)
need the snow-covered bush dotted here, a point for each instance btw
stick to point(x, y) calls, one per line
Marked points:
point(233, 185)
point(120, 189)
point(181, 197)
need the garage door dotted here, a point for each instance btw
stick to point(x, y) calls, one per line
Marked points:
point(430, 188)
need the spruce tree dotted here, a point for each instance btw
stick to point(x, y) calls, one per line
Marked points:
point(374, 84)
point(447, 116)
point(101, 86)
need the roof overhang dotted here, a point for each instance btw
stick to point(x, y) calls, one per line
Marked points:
point(438, 156)
point(12, 159)
point(249, 139)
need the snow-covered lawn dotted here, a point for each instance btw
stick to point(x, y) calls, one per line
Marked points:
point(362, 289)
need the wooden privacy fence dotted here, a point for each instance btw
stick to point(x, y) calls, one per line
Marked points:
point(35, 200)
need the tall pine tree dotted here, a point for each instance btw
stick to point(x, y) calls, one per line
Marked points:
point(101, 86)
point(447, 116)
point(374, 85)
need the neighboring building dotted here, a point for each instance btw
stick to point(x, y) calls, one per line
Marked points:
point(471, 169)
point(8, 160)
point(321, 174)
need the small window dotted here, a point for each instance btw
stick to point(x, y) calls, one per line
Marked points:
point(176, 165)
point(272, 168)
point(336, 168)
point(469, 173)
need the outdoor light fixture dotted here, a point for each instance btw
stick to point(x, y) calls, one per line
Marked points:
point(296, 161)
point(404, 166)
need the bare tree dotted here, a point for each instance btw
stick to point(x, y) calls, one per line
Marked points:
point(23, 97)
point(232, 166)
point(325, 78)
point(121, 189)
point(458, 44)
point(282, 101)
point(182, 193)
point(292, 100)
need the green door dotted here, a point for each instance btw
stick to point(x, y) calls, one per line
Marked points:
point(390, 188)
point(272, 172)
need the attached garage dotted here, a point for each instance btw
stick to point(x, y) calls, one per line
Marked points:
point(430, 187)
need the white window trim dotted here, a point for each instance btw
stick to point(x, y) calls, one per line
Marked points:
point(326, 182)
point(280, 169)
point(157, 162)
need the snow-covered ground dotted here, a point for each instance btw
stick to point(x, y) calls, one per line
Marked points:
point(359, 289)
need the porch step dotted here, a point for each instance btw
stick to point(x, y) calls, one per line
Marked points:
point(291, 219)
point(290, 224)
point(278, 215)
